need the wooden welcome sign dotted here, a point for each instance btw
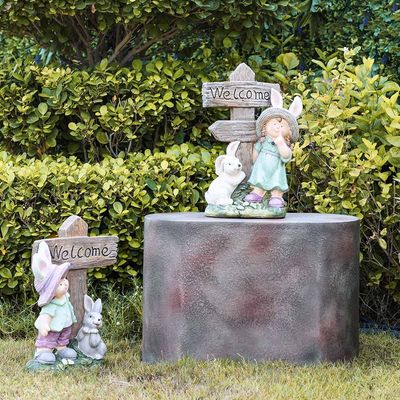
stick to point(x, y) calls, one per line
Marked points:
point(242, 94)
point(73, 245)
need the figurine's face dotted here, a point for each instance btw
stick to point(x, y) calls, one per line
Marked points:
point(276, 127)
point(232, 165)
point(62, 288)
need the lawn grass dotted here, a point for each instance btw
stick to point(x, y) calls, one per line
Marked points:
point(375, 374)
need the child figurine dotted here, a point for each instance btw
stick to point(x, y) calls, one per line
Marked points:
point(276, 128)
point(57, 315)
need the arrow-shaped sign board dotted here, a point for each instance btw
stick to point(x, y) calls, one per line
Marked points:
point(228, 131)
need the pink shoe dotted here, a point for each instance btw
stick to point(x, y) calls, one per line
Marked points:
point(276, 202)
point(253, 198)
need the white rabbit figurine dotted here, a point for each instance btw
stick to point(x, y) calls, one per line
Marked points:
point(89, 340)
point(230, 174)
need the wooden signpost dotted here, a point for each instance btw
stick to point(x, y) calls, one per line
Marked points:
point(242, 94)
point(75, 246)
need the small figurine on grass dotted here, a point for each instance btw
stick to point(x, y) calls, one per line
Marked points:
point(276, 129)
point(57, 315)
point(90, 342)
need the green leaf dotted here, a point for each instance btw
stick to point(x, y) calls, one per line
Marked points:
point(178, 73)
point(4, 229)
point(12, 284)
point(333, 111)
point(382, 243)
point(43, 108)
point(289, 60)
point(134, 244)
point(32, 119)
point(227, 42)
point(393, 140)
point(346, 204)
point(51, 142)
point(117, 206)
point(103, 110)
point(164, 164)
point(5, 273)
point(137, 64)
point(159, 65)
point(102, 137)
point(72, 126)
point(103, 64)
point(168, 95)
point(151, 184)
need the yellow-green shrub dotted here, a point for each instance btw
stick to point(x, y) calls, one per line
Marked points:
point(113, 197)
point(349, 156)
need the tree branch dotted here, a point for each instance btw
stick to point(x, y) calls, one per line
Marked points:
point(145, 46)
point(82, 33)
point(121, 45)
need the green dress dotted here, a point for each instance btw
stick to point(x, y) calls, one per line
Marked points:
point(269, 169)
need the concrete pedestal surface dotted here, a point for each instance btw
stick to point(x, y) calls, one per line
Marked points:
point(257, 289)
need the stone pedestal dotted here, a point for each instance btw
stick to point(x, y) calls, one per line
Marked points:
point(257, 289)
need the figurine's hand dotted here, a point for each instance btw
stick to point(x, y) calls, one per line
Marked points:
point(44, 330)
point(280, 139)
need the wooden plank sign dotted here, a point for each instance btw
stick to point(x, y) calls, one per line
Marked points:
point(73, 245)
point(242, 94)
point(82, 251)
point(237, 94)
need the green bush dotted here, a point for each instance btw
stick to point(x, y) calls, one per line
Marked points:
point(349, 157)
point(113, 197)
point(103, 111)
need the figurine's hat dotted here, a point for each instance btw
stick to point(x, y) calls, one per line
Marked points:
point(273, 112)
point(277, 111)
point(47, 275)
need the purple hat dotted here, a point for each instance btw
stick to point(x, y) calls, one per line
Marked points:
point(47, 275)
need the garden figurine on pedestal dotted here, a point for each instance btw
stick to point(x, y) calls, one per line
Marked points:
point(276, 129)
point(57, 315)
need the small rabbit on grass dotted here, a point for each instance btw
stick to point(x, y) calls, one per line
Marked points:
point(89, 339)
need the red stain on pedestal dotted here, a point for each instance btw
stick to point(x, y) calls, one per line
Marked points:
point(176, 299)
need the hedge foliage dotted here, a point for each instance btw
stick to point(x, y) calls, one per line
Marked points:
point(103, 111)
point(348, 160)
point(112, 196)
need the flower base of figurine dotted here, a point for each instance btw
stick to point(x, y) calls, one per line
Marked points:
point(61, 365)
point(253, 210)
point(243, 209)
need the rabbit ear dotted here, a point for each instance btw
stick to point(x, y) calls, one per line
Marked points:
point(97, 307)
point(88, 303)
point(296, 107)
point(276, 99)
point(40, 264)
point(232, 148)
point(219, 164)
point(44, 252)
